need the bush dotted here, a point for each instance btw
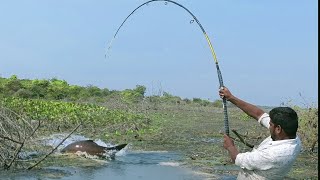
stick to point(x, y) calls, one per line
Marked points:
point(23, 93)
point(308, 126)
point(217, 103)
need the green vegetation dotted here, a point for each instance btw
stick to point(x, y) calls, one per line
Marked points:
point(52, 89)
point(69, 113)
point(308, 127)
point(55, 89)
point(158, 122)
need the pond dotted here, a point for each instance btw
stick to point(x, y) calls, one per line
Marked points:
point(133, 165)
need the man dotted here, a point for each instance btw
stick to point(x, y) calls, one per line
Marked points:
point(274, 157)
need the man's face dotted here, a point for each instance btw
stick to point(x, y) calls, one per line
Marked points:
point(272, 130)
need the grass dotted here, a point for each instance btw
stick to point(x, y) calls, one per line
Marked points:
point(190, 129)
point(194, 131)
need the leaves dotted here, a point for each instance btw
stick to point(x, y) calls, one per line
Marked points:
point(68, 111)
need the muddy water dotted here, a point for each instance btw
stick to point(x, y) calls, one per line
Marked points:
point(133, 165)
point(136, 165)
point(140, 166)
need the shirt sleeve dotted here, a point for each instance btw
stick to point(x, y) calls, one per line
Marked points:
point(264, 120)
point(255, 160)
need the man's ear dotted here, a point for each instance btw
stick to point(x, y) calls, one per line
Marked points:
point(278, 129)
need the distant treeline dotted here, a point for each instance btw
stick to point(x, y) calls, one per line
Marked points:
point(56, 89)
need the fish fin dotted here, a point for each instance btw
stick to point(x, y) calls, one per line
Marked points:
point(118, 147)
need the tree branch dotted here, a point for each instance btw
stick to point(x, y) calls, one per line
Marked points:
point(241, 139)
point(31, 167)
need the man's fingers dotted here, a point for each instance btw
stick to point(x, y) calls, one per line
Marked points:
point(221, 93)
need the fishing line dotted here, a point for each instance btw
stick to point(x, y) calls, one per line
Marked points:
point(226, 123)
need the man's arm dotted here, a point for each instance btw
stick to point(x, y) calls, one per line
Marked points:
point(228, 144)
point(248, 108)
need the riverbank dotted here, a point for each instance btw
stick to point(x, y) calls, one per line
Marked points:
point(189, 129)
point(194, 131)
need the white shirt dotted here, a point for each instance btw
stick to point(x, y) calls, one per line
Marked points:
point(271, 159)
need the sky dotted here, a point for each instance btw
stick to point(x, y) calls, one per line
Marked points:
point(267, 50)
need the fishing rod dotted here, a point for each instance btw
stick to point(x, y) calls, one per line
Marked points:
point(226, 123)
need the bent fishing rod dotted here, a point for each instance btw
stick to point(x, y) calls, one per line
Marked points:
point(226, 123)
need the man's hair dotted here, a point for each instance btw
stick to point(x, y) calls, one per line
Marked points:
point(287, 118)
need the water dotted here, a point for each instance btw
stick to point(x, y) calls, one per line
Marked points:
point(131, 165)
point(139, 166)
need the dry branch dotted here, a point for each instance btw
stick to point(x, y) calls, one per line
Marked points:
point(31, 167)
point(15, 131)
point(241, 139)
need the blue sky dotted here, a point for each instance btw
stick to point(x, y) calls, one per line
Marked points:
point(267, 50)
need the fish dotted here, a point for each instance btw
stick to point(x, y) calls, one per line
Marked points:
point(92, 148)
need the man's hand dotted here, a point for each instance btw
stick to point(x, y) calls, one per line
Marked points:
point(225, 93)
point(228, 144)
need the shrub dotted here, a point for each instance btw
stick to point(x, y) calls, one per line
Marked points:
point(308, 126)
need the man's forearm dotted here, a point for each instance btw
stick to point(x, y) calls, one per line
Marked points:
point(248, 108)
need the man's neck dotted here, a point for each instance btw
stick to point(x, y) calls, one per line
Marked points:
point(284, 137)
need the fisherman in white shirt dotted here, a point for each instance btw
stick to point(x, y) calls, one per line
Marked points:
point(274, 157)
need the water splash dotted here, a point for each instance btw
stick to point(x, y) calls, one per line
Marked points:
point(173, 164)
point(55, 139)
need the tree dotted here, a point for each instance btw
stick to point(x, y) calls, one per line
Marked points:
point(39, 88)
point(58, 89)
point(12, 85)
point(94, 91)
point(140, 90)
